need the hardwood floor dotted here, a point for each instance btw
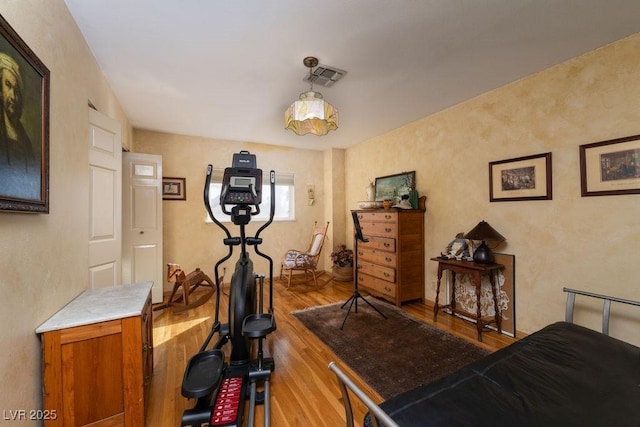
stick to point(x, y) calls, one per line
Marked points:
point(304, 392)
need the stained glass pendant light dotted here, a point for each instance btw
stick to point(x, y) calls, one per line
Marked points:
point(311, 113)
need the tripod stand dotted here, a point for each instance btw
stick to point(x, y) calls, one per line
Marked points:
point(353, 299)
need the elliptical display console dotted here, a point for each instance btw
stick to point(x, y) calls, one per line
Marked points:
point(242, 183)
point(222, 384)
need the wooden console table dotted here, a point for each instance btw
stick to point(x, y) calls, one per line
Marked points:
point(476, 270)
point(98, 358)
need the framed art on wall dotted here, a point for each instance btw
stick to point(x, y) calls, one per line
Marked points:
point(610, 167)
point(522, 178)
point(393, 187)
point(174, 188)
point(24, 126)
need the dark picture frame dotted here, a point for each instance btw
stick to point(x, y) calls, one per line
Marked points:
point(521, 178)
point(393, 187)
point(24, 126)
point(610, 167)
point(174, 188)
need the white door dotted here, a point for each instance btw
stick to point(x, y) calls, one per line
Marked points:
point(105, 200)
point(142, 221)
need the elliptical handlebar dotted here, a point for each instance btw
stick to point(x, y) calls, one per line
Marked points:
point(207, 203)
point(272, 207)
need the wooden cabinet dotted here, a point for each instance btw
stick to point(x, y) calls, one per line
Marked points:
point(391, 263)
point(98, 358)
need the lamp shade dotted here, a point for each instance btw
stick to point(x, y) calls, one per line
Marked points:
point(483, 231)
point(311, 114)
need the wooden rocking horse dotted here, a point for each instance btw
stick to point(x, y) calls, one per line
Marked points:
point(189, 284)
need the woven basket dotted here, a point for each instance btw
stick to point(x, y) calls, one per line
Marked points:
point(342, 274)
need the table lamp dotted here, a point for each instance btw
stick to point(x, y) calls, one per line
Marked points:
point(483, 231)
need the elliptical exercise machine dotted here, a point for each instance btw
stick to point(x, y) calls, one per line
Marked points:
point(220, 387)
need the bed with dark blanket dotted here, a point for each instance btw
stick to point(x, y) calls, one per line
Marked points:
point(561, 375)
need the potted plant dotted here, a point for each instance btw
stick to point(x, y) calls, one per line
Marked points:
point(342, 258)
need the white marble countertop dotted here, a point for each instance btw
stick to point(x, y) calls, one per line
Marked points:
point(100, 305)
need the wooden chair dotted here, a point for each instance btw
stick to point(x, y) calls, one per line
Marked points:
point(307, 261)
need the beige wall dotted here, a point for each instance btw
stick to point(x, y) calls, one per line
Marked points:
point(335, 209)
point(191, 242)
point(589, 243)
point(44, 257)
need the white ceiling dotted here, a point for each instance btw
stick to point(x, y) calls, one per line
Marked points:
point(229, 69)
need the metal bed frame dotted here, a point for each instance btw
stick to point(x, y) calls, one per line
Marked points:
point(381, 418)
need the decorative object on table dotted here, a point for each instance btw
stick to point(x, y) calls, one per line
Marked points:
point(393, 187)
point(311, 113)
point(404, 203)
point(459, 248)
point(342, 259)
point(610, 167)
point(24, 158)
point(370, 191)
point(386, 204)
point(522, 178)
point(413, 198)
point(174, 188)
point(484, 232)
point(422, 202)
point(370, 205)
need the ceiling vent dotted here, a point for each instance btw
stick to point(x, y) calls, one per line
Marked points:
point(325, 75)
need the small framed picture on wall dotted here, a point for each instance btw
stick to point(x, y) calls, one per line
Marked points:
point(174, 188)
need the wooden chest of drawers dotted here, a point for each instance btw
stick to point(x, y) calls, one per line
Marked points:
point(391, 263)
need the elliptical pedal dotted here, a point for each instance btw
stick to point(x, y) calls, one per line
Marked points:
point(203, 373)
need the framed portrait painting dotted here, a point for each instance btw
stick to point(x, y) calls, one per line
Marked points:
point(24, 126)
point(610, 167)
point(522, 178)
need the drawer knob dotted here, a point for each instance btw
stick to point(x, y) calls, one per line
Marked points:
point(388, 289)
point(388, 259)
point(387, 275)
point(387, 216)
point(388, 230)
point(386, 245)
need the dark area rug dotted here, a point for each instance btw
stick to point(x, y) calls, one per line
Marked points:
point(392, 355)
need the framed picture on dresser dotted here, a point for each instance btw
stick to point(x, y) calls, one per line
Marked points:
point(393, 187)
